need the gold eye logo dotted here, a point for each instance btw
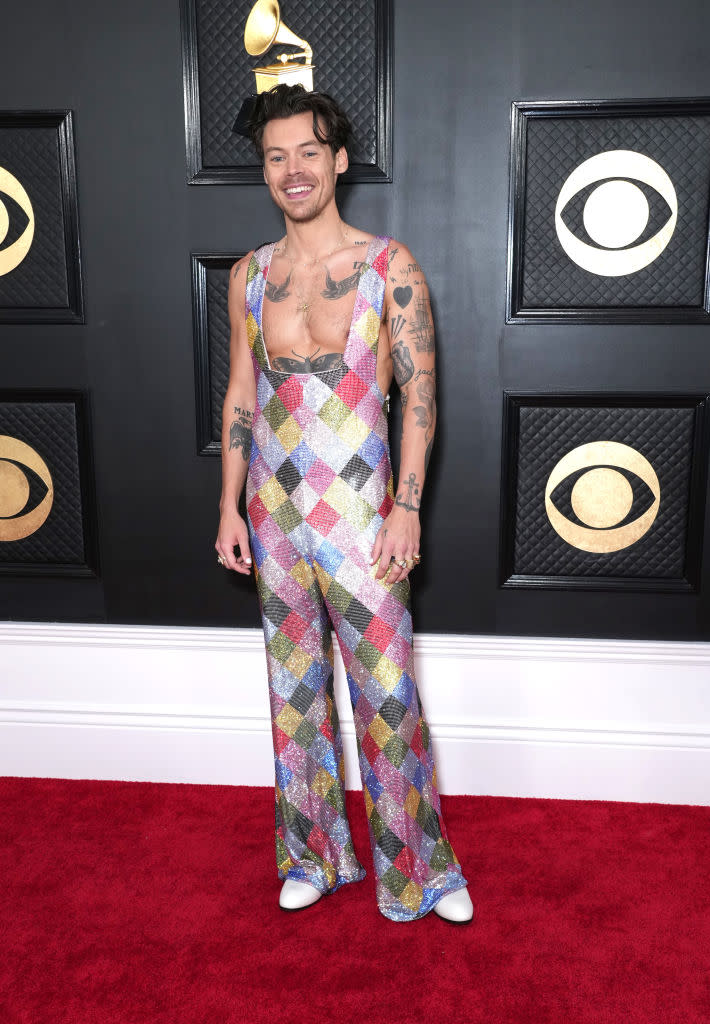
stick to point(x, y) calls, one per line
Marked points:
point(601, 496)
point(14, 254)
point(17, 487)
point(616, 213)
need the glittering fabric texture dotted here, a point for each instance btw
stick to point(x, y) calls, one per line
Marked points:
point(319, 487)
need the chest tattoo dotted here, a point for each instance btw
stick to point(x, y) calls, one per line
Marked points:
point(308, 364)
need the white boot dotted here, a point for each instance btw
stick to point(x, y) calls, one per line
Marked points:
point(297, 895)
point(456, 907)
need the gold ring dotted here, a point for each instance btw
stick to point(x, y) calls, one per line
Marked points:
point(416, 559)
point(221, 560)
point(410, 563)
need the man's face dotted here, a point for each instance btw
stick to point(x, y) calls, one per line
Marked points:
point(300, 171)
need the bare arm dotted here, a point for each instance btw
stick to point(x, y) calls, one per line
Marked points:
point(237, 415)
point(411, 336)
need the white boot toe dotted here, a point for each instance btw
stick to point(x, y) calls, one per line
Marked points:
point(297, 895)
point(455, 906)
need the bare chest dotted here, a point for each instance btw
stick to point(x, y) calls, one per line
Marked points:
point(307, 313)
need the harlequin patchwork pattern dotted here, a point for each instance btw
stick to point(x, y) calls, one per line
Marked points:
point(319, 487)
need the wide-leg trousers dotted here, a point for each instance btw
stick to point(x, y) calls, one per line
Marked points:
point(301, 597)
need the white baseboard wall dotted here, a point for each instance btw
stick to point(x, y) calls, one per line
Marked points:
point(509, 716)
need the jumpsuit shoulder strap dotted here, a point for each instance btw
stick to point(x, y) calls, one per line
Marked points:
point(257, 272)
point(361, 348)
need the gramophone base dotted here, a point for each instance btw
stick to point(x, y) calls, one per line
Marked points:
point(284, 74)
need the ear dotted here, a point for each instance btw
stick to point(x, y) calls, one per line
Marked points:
point(341, 160)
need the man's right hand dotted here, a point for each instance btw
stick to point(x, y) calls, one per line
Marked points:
point(234, 533)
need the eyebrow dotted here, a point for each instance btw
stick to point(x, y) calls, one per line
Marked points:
point(280, 149)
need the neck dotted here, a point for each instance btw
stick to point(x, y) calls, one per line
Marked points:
point(308, 241)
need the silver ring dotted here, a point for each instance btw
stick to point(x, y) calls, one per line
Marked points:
point(221, 560)
point(402, 564)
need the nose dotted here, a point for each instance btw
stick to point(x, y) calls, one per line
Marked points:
point(294, 164)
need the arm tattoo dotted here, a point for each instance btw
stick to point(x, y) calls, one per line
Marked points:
point(425, 411)
point(336, 289)
point(308, 364)
point(402, 362)
point(408, 495)
point(421, 328)
point(402, 296)
point(240, 432)
point(396, 325)
point(278, 292)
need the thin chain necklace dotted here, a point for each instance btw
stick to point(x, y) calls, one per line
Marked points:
point(305, 302)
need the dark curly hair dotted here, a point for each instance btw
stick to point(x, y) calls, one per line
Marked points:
point(331, 125)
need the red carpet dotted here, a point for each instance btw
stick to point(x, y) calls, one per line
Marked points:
point(137, 903)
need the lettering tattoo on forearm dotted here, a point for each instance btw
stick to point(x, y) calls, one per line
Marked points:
point(408, 496)
point(336, 289)
point(278, 292)
point(402, 363)
point(421, 328)
point(240, 432)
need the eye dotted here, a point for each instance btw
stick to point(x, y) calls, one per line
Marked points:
point(616, 212)
point(16, 222)
point(602, 496)
point(625, 206)
point(26, 489)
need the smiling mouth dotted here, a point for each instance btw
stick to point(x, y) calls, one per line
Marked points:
point(298, 191)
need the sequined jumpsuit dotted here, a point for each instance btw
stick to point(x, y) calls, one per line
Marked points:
point(318, 489)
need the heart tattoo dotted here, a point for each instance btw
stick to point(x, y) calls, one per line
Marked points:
point(402, 296)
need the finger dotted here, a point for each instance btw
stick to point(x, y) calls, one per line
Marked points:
point(245, 551)
point(243, 560)
point(385, 561)
point(223, 554)
point(397, 571)
point(384, 553)
point(377, 546)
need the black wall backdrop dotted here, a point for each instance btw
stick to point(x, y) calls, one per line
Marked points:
point(456, 70)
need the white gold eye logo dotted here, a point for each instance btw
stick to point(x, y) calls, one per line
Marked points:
point(616, 213)
point(14, 254)
point(601, 496)
point(18, 487)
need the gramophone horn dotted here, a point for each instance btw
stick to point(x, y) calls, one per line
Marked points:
point(264, 28)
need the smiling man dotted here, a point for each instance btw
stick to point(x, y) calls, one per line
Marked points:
point(321, 321)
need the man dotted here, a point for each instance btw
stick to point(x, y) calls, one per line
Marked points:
point(320, 323)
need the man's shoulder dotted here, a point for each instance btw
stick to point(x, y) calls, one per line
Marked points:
point(403, 268)
point(239, 268)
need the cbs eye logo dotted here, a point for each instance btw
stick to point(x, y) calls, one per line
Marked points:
point(20, 207)
point(26, 489)
point(616, 213)
point(597, 485)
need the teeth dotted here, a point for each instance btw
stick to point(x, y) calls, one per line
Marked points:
point(298, 188)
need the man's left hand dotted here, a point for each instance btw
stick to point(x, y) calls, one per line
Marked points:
point(397, 541)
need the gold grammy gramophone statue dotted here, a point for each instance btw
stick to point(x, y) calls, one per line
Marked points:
point(264, 28)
